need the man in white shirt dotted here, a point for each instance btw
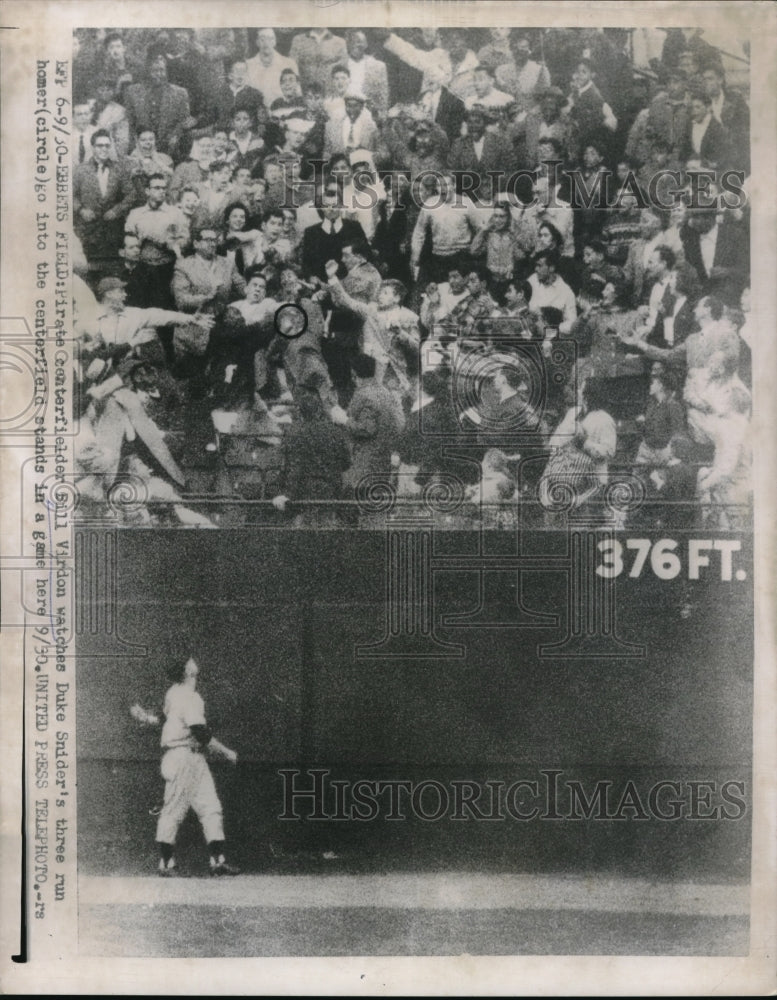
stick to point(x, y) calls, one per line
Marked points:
point(439, 301)
point(368, 74)
point(463, 64)
point(365, 192)
point(265, 68)
point(486, 95)
point(390, 331)
point(523, 78)
point(430, 97)
point(340, 85)
point(586, 105)
point(701, 115)
point(452, 222)
point(270, 245)
point(550, 292)
point(161, 229)
point(708, 244)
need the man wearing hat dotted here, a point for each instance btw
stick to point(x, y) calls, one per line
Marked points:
point(356, 131)
point(127, 328)
point(481, 151)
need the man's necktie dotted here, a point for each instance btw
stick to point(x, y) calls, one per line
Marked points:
point(81, 149)
point(351, 141)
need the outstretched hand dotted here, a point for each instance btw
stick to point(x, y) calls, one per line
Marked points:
point(139, 714)
point(204, 320)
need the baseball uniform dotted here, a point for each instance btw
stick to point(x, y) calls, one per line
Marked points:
point(188, 780)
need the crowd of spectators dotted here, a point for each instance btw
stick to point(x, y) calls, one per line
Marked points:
point(306, 259)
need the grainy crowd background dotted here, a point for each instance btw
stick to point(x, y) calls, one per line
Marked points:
point(306, 258)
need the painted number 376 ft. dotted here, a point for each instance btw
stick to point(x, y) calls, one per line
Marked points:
point(667, 557)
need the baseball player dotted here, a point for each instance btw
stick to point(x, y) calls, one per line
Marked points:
point(188, 780)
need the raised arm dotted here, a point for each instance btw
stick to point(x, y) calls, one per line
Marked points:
point(341, 298)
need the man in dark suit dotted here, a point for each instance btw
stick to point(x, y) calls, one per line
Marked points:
point(159, 106)
point(126, 268)
point(678, 320)
point(237, 95)
point(190, 69)
point(480, 152)
point(731, 110)
point(325, 240)
point(705, 138)
point(320, 243)
point(103, 194)
point(504, 409)
point(718, 252)
point(442, 106)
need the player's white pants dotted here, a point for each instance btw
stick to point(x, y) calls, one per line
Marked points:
point(188, 784)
